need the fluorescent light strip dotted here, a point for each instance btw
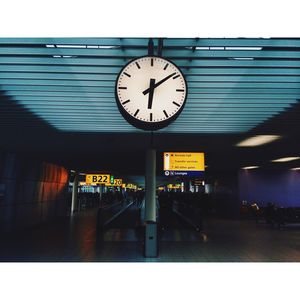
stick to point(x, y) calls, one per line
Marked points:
point(71, 46)
point(258, 140)
point(108, 47)
point(250, 167)
point(296, 169)
point(244, 48)
point(286, 159)
point(227, 48)
point(242, 58)
point(83, 46)
point(216, 48)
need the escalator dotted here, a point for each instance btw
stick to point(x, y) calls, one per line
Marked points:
point(120, 223)
point(178, 222)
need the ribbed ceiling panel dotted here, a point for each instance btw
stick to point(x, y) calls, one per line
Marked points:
point(234, 84)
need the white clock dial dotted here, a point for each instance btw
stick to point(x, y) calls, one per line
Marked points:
point(151, 89)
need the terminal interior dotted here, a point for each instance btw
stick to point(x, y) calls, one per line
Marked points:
point(59, 122)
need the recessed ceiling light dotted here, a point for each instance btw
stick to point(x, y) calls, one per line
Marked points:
point(258, 140)
point(296, 169)
point(250, 167)
point(285, 159)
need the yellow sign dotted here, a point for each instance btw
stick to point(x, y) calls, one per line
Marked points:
point(183, 161)
point(82, 183)
point(174, 186)
point(117, 182)
point(131, 186)
point(97, 178)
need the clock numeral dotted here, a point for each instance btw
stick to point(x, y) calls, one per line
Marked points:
point(166, 114)
point(150, 116)
point(176, 103)
point(135, 114)
point(125, 101)
point(176, 76)
point(151, 62)
point(137, 64)
point(178, 90)
point(122, 87)
point(127, 74)
point(165, 68)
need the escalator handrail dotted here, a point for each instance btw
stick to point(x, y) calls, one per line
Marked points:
point(117, 214)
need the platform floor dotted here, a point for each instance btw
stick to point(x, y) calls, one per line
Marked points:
point(74, 239)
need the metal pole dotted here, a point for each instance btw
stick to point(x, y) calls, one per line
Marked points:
point(150, 182)
point(74, 206)
point(151, 246)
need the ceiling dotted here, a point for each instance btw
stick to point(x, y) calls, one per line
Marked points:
point(57, 100)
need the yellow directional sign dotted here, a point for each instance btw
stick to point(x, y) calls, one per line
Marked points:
point(174, 186)
point(117, 182)
point(183, 161)
point(131, 186)
point(97, 178)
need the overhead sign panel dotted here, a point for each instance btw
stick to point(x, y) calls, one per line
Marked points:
point(95, 179)
point(184, 163)
point(116, 182)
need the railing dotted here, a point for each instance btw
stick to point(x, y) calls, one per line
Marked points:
point(106, 215)
point(189, 213)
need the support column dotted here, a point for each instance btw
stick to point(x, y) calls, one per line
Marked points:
point(151, 246)
point(150, 183)
point(74, 206)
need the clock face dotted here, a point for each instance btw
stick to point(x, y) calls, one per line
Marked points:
point(150, 92)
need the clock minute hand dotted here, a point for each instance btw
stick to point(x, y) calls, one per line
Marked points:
point(158, 83)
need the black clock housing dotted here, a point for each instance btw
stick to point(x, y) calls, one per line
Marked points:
point(146, 125)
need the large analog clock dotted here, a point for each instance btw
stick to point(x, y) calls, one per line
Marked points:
point(150, 92)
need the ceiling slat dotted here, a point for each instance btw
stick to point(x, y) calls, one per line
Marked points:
point(120, 62)
point(111, 84)
point(112, 78)
point(132, 53)
point(85, 96)
point(264, 42)
point(197, 91)
point(191, 71)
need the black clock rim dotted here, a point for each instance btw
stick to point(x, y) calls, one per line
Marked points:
point(144, 125)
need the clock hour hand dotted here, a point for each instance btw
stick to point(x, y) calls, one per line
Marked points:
point(151, 92)
point(158, 83)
